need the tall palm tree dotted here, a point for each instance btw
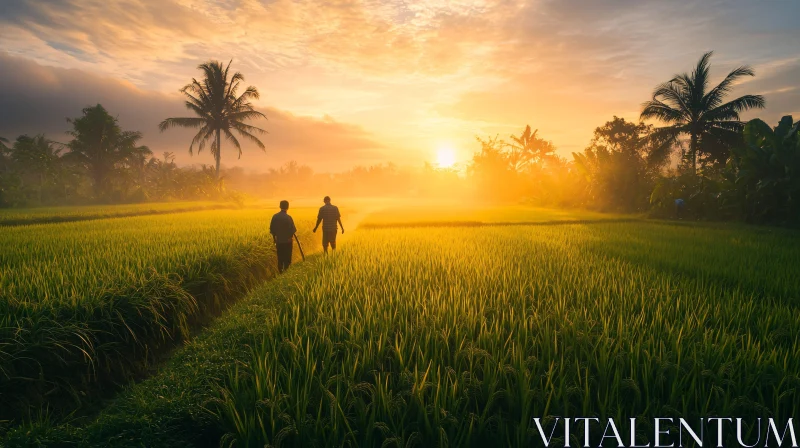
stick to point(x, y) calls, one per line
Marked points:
point(219, 110)
point(690, 108)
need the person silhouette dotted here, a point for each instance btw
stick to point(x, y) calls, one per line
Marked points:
point(329, 216)
point(282, 229)
point(680, 204)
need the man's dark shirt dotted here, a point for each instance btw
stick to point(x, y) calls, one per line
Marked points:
point(282, 227)
point(329, 214)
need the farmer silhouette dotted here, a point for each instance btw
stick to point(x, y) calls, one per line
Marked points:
point(679, 206)
point(329, 216)
point(282, 229)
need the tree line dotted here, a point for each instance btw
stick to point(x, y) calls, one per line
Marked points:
point(101, 164)
point(721, 167)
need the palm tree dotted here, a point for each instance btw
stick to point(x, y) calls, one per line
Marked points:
point(690, 108)
point(529, 149)
point(219, 110)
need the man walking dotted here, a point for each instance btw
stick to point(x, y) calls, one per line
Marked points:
point(282, 229)
point(329, 216)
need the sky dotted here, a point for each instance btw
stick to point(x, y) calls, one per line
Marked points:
point(349, 82)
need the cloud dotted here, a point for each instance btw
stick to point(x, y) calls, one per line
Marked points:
point(779, 85)
point(415, 72)
point(38, 99)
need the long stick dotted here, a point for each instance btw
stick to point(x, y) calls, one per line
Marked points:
point(300, 247)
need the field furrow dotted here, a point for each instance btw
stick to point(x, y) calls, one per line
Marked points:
point(88, 304)
point(43, 215)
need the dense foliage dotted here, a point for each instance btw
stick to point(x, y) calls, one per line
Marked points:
point(720, 167)
point(102, 163)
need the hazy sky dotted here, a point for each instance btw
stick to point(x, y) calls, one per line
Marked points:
point(356, 82)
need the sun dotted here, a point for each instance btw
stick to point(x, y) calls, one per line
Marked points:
point(445, 157)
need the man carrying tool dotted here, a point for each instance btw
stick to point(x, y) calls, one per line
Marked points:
point(282, 229)
point(329, 216)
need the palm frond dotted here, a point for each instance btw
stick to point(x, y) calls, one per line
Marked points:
point(244, 133)
point(252, 129)
point(246, 115)
point(661, 142)
point(183, 122)
point(201, 138)
point(234, 140)
point(700, 76)
point(746, 102)
point(249, 93)
point(671, 92)
point(658, 110)
point(715, 96)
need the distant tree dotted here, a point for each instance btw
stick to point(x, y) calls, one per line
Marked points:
point(219, 110)
point(765, 172)
point(528, 149)
point(619, 165)
point(99, 145)
point(492, 172)
point(138, 164)
point(8, 181)
point(4, 153)
point(691, 109)
point(164, 176)
point(38, 158)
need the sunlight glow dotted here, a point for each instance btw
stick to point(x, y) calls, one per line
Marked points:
point(446, 157)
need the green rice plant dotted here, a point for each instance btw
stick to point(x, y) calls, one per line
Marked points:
point(461, 337)
point(85, 305)
point(461, 215)
point(40, 215)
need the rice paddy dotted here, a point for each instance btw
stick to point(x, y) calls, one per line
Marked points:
point(83, 302)
point(9, 217)
point(465, 214)
point(456, 335)
point(461, 337)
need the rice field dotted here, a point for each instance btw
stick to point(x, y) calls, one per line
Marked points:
point(87, 301)
point(460, 214)
point(9, 217)
point(460, 334)
point(459, 337)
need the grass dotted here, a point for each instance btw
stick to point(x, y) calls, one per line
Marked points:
point(85, 305)
point(460, 215)
point(459, 337)
point(40, 215)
